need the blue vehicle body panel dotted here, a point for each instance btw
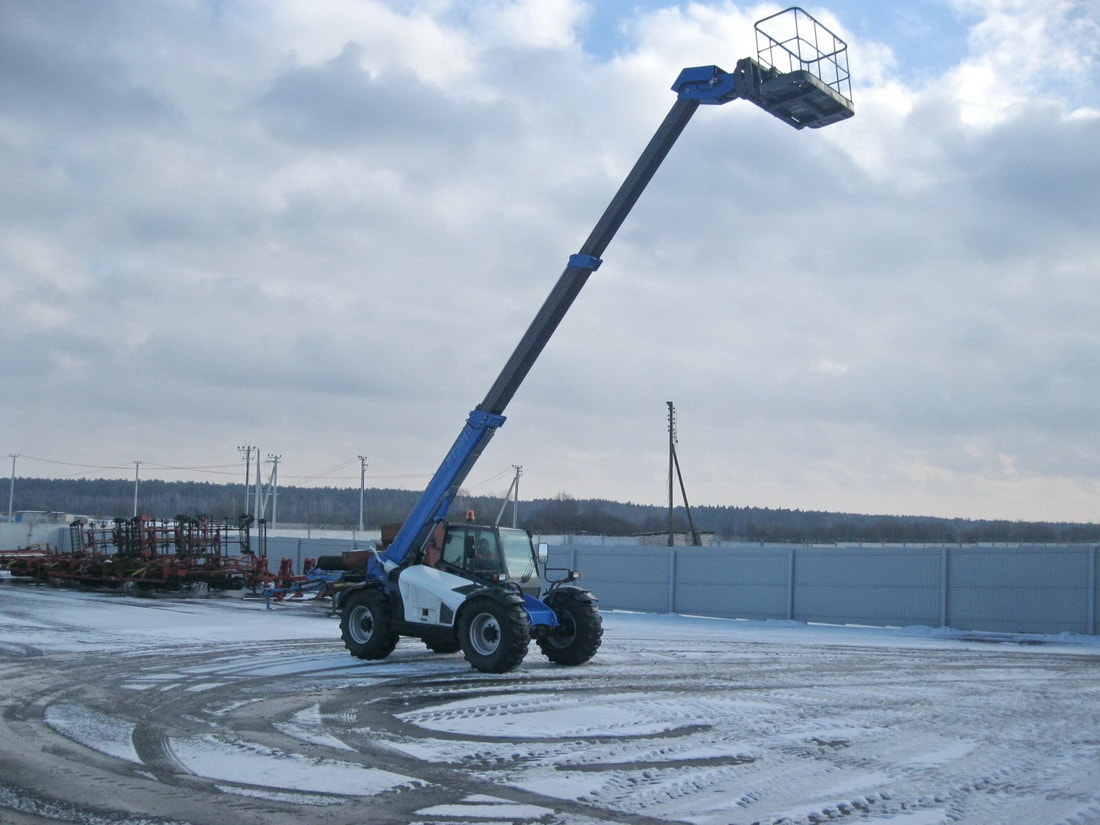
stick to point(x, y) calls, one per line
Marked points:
point(538, 613)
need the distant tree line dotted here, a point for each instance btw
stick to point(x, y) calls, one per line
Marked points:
point(762, 524)
point(338, 508)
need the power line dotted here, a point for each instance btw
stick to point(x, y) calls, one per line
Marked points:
point(73, 464)
point(489, 480)
point(220, 469)
point(327, 473)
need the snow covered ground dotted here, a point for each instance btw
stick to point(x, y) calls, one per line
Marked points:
point(126, 710)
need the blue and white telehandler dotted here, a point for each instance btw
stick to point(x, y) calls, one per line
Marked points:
point(477, 587)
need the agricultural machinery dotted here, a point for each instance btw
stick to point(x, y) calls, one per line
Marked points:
point(193, 553)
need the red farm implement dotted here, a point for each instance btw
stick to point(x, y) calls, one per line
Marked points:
point(21, 563)
point(193, 553)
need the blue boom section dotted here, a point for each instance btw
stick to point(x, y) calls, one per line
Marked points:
point(437, 497)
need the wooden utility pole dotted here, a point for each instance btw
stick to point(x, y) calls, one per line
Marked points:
point(674, 464)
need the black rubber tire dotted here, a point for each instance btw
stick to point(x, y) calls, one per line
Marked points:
point(442, 644)
point(494, 635)
point(578, 637)
point(366, 624)
point(330, 563)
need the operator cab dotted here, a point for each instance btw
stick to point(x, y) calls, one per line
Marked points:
point(501, 554)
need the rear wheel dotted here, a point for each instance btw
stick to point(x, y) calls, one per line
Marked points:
point(580, 629)
point(366, 625)
point(494, 636)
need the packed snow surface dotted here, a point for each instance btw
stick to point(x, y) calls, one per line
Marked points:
point(677, 719)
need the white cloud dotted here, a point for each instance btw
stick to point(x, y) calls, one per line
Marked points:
point(1021, 51)
point(519, 24)
point(322, 227)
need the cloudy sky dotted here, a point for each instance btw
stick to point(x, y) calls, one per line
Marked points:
point(320, 228)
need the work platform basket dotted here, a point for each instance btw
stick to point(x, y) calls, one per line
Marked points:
point(807, 69)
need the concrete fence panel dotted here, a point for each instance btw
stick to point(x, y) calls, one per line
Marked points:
point(1024, 590)
point(1010, 589)
point(624, 578)
point(750, 584)
point(875, 586)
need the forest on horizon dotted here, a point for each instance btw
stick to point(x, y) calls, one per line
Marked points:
point(338, 508)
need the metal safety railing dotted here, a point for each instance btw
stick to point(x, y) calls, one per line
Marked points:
point(792, 40)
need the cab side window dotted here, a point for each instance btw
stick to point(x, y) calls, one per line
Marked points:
point(484, 557)
point(454, 549)
point(473, 550)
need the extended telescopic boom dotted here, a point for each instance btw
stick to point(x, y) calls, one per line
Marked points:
point(814, 91)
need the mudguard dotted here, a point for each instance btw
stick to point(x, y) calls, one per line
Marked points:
point(431, 596)
point(582, 593)
point(538, 614)
point(345, 592)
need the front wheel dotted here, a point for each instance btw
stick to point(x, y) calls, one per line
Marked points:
point(580, 629)
point(494, 636)
point(366, 625)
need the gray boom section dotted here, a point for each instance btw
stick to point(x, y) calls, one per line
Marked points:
point(574, 277)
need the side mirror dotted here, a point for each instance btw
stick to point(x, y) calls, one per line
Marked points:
point(544, 552)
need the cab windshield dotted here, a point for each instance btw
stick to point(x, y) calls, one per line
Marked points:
point(518, 559)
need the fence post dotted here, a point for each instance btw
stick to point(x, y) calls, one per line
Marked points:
point(672, 580)
point(1092, 590)
point(945, 553)
point(790, 584)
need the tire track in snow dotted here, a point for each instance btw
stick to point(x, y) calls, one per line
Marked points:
point(717, 732)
